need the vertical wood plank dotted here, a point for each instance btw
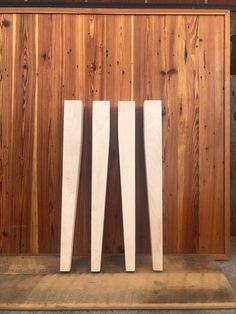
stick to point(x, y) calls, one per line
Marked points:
point(95, 60)
point(100, 150)
point(148, 59)
point(72, 144)
point(50, 131)
point(6, 130)
point(69, 57)
point(74, 87)
point(153, 159)
point(34, 196)
point(118, 82)
point(187, 49)
point(227, 147)
point(211, 137)
point(156, 58)
point(126, 139)
point(119, 58)
point(170, 143)
point(90, 77)
point(23, 106)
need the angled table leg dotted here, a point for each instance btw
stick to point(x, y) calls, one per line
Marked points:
point(126, 138)
point(153, 158)
point(72, 147)
point(100, 152)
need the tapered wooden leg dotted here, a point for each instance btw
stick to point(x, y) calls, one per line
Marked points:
point(126, 137)
point(153, 157)
point(72, 146)
point(100, 152)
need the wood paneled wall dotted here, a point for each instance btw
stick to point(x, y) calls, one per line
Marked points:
point(181, 59)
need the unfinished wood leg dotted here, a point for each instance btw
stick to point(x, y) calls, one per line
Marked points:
point(153, 157)
point(100, 152)
point(72, 146)
point(126, 136)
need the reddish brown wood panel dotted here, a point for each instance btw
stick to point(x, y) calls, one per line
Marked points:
point(49, 135)
point(6, 135)
point(24, 77)
point(47, 58)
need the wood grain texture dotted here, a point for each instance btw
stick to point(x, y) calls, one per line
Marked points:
point(50, 134)
point(162, 54)
point(100, 151)
point(6, 133)
point(24, 97)
point(72, 147)
point(33, 283)
point(211, 156)
point(111, 11)
point(126, 139)
point(117, 72)
point(153, 162)
point(227, 135)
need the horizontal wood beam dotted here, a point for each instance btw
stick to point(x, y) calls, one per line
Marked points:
point(109, 11)
point(169, 4)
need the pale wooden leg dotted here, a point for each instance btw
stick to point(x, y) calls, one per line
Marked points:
point(153, 157)
point(126, 137)
point(72, 146)
point(100, 152)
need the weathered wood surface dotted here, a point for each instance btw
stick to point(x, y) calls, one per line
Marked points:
point(72, 149)
point(33, 283)
point(48, 58)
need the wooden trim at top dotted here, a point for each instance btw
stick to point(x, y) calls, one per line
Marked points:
point(116, 306)
point(112, 11)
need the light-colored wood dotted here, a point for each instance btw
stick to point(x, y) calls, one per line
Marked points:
point(118, 86)
point(100, 150)
point(112, 11)
point(126, 139)
point(187, 283)
point(153, 161)
point(72, 147)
